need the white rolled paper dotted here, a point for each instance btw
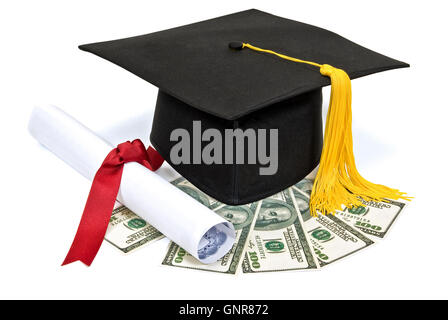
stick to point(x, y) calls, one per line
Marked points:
point(191, 225)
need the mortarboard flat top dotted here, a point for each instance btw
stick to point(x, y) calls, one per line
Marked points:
point(200, 78)
point(194, 64)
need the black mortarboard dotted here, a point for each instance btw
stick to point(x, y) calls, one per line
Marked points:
point(201, 79)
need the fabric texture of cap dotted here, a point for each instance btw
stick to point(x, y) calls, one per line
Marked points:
point(194, 64)
point(201, 79)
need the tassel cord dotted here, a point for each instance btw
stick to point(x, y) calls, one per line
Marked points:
point(338, 181)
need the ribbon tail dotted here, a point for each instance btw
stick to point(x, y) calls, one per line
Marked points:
point(155, 159)
point(96, 215)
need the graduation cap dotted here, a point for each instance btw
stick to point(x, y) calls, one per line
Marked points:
point(254, 70)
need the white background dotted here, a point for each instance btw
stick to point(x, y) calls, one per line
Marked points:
point(400, 124)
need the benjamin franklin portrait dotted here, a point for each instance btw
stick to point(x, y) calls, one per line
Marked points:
point(305, 185)
point(274, 215)
point(239, 216)
point(303, 203)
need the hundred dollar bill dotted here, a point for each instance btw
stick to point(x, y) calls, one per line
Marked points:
point(242, 218)
point(127, 231)
point(279, 241)
point(375, 219)
point(184, 185)
point(331, 238)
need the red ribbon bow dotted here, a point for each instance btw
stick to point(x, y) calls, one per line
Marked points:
point(102, 196)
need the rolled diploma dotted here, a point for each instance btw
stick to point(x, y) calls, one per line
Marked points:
point(178, 216)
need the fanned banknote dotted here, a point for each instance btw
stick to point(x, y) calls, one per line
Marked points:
point(279, 241)
point(127, 231)
point(331, 238)
point(184, 185)
point(242, 218)
point(375, 219)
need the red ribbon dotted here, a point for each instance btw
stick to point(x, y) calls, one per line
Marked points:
point(102, 196)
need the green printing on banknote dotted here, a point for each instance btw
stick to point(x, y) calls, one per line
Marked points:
point(375, 219)
point(275, 234)
point(279, 241)
point(331, 238)
point(240, 216)
point(127, 231)
point(328, 232)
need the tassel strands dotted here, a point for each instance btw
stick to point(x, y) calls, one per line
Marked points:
point(338, 182)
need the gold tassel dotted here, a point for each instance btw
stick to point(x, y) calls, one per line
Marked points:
point(338, 182)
